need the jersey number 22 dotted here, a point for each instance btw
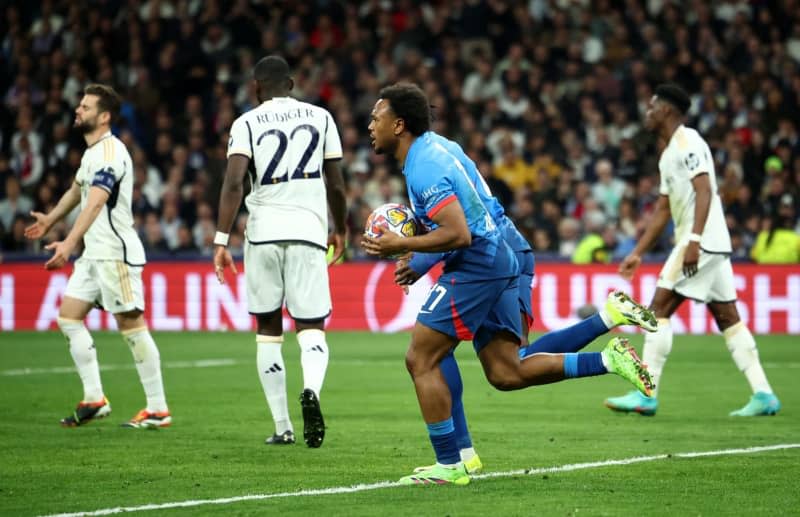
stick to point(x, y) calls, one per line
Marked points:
point(268, 177)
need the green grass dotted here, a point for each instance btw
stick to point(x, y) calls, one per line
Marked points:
point(215, 447)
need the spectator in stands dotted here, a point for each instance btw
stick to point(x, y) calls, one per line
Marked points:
point(27, 163)
point(185, 243)
point(608, 190)
point(568, 235)
point(481, 84)
point(598, 243)
point(5, 173)
point(567, 94)
point(15, 203)
point(512, 169)
point(170, 221)
point(152, 235)
point(204, 229)
point(778, 242)
point(14, 240)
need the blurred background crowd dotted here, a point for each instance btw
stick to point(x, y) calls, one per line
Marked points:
point(547, 96)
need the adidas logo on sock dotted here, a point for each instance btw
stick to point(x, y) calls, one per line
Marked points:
point(275, 368)
point(316, 348)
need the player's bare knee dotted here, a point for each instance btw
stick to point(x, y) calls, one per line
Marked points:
point(504, 379)
point(725, 314)
point(505, 383)
point(130, 320)
point(415, 367)
point(270, 323)
point(419, 364)
point(410, 364)
point(726, 320)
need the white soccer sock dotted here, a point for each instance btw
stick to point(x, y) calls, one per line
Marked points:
point(313, 357)
point(84, 354)
point(609, 323)
point(467, 454)
point(272, 373)
point(148, 364)
point(657, 346)
point(743, 349)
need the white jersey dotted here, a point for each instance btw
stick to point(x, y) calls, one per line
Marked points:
point(107, 164)
point(686, 156)
point(287, 142)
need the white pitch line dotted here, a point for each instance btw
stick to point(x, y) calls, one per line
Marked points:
point(395, 484)
point(202, 363)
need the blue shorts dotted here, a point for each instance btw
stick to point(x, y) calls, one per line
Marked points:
point(526, 264)
point(472, 311)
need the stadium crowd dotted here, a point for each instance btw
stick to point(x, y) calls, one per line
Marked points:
point(547, 96)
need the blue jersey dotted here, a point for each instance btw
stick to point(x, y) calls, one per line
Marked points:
point(436, 178)
point(422, 262)
point(507, 228)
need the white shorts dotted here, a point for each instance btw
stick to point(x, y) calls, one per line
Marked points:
point(112, 284)
point(713, 281)
point(293, 272)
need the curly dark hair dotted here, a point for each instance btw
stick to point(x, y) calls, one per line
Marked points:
point(675, 95)
point(409, 103)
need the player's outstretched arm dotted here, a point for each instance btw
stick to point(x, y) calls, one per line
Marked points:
point(97, 198)
point(43, 222)
point(337, 201)
point(659, 221)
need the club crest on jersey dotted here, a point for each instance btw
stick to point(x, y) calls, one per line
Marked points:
point(692, 161)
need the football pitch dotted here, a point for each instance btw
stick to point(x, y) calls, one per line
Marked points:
point(548, 450)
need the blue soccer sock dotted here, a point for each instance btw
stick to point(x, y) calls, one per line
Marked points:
point(452, 376)
point(443, 439)
point(570, 339)
point(587, 364)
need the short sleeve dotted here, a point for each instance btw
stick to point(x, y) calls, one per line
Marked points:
point(663, 189)
point(435, 193)
point(106, 169)
point(240, 140)
point(695, 159)
point(333, 143)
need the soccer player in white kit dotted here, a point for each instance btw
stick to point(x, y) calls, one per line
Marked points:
point(109, 272)
point(291, 150)
point(699, 267)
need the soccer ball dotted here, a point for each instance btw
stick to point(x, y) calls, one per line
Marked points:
point(395, 217)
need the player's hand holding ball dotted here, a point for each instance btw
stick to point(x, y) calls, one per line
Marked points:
point(386, 227)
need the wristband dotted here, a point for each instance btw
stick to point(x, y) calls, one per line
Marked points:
point(221, 239)
point(694, 237)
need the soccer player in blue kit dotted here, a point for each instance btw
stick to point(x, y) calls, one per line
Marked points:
point(476, 297)
point(619, 308)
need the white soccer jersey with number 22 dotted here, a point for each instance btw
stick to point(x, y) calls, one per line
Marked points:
point(288, 142)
